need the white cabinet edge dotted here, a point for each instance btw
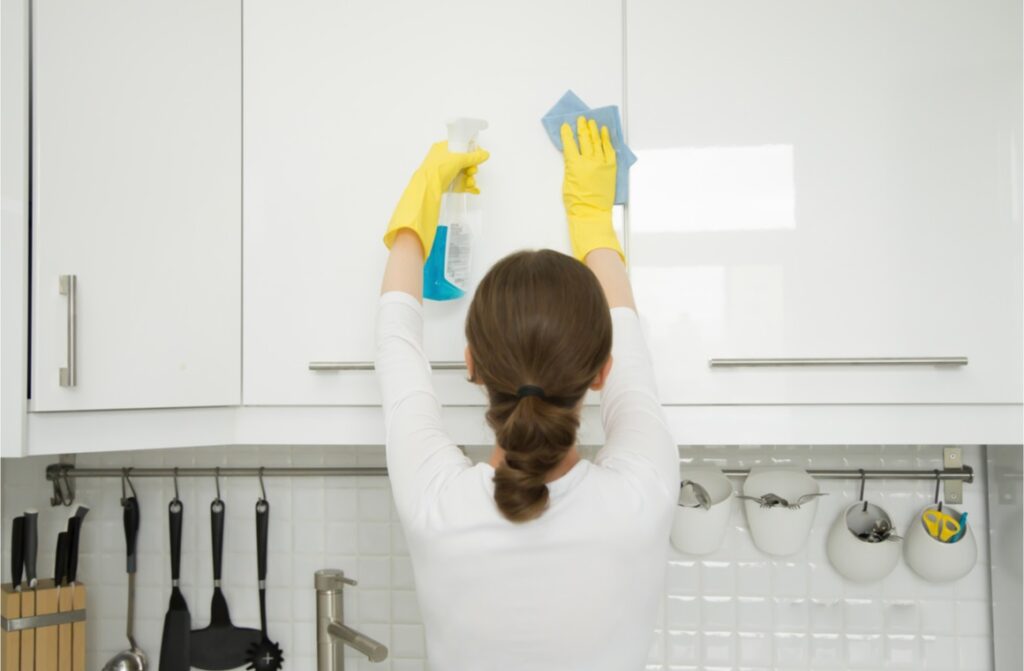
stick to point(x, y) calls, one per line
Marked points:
point(14, 308)
point(79, 432)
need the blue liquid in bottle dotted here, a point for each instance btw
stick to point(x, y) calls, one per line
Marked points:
point(436, 286)
point(446, 271)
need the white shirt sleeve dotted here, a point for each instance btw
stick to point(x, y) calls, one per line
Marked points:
point(421, 457)
point(637, 437)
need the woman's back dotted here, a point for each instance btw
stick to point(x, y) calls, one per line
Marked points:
point(577, 587)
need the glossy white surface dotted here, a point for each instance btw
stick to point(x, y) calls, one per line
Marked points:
point(137, 191)
point(724, 425)
point(828, 179)
point(342, 101)
point(14, 246)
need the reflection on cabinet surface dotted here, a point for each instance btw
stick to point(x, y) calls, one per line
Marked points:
point(342, 101)
point(842, 185)
point(136, 195)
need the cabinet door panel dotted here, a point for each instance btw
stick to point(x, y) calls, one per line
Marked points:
point(342, 101)
point(137, 192)
point(828, 180)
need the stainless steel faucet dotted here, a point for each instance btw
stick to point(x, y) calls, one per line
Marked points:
point(331, 633)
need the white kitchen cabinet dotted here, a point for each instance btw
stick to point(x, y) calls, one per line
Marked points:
point(827, 179)
point(136, 193)
point(342, 101)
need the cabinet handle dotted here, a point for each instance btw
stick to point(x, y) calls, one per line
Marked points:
point(844, 361)
point(69, 288)
point(368, 365)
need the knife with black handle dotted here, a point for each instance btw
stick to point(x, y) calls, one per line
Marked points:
point(31, 545)
point(60, 563)
point(73, 534)
point(75, 522)
point(17, 551)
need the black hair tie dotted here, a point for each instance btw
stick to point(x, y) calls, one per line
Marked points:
point(529, 390)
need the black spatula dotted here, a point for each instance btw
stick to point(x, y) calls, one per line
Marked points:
point(174, 646)
point(221, 645)
point(265, 655)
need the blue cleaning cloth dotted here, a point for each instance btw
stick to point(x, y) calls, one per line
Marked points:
point(568, 108)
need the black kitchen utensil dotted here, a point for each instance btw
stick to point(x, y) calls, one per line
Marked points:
point(60, 559)
point(74, 535)
point(174, 653)
point(221, 645)
point(31, 545)
point(132, 659)
point(17, 551)
point(72, 549)
point(265, 655)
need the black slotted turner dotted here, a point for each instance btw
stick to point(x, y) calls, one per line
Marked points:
point(221, 645)
point(264, 655)
point(174, 645)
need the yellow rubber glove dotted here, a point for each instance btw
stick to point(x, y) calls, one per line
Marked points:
point(420, 204)
point(588, 190)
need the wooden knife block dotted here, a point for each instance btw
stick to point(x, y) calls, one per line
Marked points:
point(58, 645)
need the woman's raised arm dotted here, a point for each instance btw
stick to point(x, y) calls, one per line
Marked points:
point(588, 192)
point(411, 230)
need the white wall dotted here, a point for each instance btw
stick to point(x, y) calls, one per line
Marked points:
point(736, 608)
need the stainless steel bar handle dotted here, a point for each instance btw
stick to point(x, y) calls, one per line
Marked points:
point(368, 365)
point(69, 288)
point(843, 361)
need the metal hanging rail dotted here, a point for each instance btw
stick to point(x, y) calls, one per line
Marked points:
point(62, 475)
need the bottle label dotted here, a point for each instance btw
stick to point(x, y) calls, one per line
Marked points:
point(457, 254)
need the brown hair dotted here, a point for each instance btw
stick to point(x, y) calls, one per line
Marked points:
point(541, 319)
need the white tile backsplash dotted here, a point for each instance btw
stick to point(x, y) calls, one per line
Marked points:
point(735, 609)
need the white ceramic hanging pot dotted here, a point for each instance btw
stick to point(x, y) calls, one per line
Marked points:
point(699, 529)
point(855, 548)
point(781, 530)
point(933, 559)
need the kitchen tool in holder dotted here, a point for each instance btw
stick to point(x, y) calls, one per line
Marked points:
point(930, 557)
point(782, 528)
point(221, 645)
point(265, 655)
point(74, 531)
point(174, 644)
point(702, 513)
point(132, 659)
point(60, 560)
point(30, 545)
point(17, 551)
point(862, 544)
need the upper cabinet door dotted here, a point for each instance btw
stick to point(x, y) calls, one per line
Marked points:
point(828, 180)
point(342, 102)
point(136, 169)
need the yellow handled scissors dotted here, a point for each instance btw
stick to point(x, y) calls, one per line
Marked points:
point(940, 525)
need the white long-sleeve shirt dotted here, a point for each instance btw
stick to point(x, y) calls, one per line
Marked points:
point(577, 588)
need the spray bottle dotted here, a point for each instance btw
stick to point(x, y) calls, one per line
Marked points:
point(446, 272)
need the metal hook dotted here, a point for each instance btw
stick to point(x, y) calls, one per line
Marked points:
point(68, 495)
point(263, 490)
point(63, 488)
point(863, 481)
point(176, 485)
point(938, 484)
point(124, 479)
point(216, 481)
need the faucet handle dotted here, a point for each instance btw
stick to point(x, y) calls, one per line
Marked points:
point(331, 580)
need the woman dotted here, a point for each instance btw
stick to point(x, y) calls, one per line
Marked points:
point(537, 559)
